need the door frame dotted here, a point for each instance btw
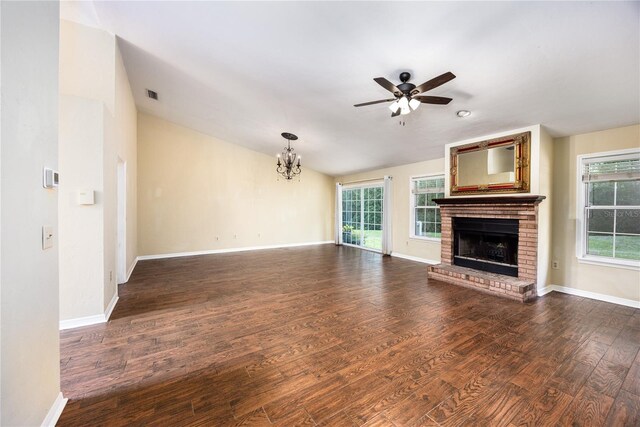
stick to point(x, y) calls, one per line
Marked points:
point(121, 213)
point(362, 186)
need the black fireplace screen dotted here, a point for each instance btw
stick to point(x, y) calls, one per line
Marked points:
point(486, 244)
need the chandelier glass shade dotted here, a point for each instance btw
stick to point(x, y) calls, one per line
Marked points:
point(288, 164)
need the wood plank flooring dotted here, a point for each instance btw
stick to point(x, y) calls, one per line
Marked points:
point(336, 336)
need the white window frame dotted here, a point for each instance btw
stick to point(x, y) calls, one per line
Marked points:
point(371, 184)
point(412, 206)
point(581, 200)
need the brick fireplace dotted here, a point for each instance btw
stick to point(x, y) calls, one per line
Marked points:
point(504, 231)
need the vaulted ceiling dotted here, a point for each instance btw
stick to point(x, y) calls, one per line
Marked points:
point(246, 71)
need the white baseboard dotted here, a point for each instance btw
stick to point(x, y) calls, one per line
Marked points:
point(55, 411)
point(82, 321)
point(110, 307)
point(90, 320)
point(590, 295)
point(415, 258)
point(545, 290)
point(224, 251)
point(130, 270)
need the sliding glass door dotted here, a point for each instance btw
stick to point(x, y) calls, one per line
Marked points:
point(362, 216)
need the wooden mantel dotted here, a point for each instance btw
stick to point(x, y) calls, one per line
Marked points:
point(502, 200)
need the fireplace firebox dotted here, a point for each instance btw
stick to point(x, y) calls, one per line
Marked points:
point(486, 244)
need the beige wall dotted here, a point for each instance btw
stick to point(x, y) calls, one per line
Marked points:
point(554, 176)
point(81, 227)
point(402, 243)
point(87, 63)
point(197, 193)
point(30, 366)
point(98, 128)
point(608, 280)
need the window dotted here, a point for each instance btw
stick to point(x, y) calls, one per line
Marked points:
point(609, 203)
point(362, 216)
point(425, 214)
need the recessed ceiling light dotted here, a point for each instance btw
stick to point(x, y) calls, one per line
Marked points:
point(463, 113)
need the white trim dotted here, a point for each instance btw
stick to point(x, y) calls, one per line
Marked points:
point(545, 290)
point(412, 207)
point(351, 245)
point(130, 270)
point(622, 152)
point(427, 239)
point(121, 221)
point(82, 321)
point(90, 320)
point(581, 199)
point(427, 175)
point(590, 295)
point(110, 307)
point(223, 251)
point(415, 258)
point(338, 215)
point(365, 184)
point(610, 262)
point(386, 181)
point(55, 411)
point(387, 215)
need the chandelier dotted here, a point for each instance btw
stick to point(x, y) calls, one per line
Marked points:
point(289, 164)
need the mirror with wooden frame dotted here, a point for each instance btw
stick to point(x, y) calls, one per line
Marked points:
point(499, 165)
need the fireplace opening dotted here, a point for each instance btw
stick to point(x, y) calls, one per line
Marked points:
point(486, 244)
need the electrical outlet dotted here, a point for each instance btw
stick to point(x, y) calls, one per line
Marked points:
point(235, 236)
point(555, 264)
point(111, 276)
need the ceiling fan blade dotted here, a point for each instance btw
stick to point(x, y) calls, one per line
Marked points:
point(433, 99)
point(388, 85)
point(375, 102)
point(397, 113)
point(433, 83)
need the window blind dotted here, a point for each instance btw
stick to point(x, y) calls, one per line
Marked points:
point(611, 170)
point(428, 185)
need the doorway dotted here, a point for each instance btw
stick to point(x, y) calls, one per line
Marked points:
point(121, 247)
point(362, 216)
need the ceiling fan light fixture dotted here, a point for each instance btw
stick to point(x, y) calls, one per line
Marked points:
point(403, 101)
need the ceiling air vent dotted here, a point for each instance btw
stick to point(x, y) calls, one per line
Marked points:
point(151, 94)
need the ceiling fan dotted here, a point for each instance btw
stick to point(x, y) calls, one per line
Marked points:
point(406, 94)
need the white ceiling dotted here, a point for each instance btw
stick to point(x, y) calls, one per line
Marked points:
point(244, 72)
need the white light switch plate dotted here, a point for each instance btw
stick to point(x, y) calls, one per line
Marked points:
point(86, 197)
point(47, 236)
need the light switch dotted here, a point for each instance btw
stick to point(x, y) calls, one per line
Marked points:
point(47, 236)
point(86, 197)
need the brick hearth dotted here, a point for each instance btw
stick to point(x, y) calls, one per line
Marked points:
point(522, 208)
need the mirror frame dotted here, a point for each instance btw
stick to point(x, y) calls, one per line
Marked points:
point(522, 148)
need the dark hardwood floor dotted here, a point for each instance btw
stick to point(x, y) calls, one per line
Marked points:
point(322, 335)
